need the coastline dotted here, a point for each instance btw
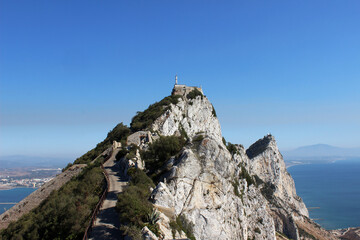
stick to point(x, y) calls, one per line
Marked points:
point(292, 164)
point(11, 187)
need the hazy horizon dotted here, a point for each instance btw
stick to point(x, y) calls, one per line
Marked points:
point(70, 71)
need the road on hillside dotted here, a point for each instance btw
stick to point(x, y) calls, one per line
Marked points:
point(106, 225)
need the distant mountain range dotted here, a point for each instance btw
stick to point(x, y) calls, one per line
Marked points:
point(20, 161)
point(321, 152)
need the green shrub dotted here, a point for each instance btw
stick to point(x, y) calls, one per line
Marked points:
point(198, 138)
point(213, 111)
point(159, 152)
point(183, 133)
point(194, 93)
point(232, 148)
point(67, 166)
point(133, 205)
point(235, 184)
point(257, 230)
point(132, 231)
point(139, 178)
point(143, 120)
point(245, 175)
point(268, 190)
point(182, 224)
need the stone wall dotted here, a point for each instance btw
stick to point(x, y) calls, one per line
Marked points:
point(183, 90)
point(139, 137)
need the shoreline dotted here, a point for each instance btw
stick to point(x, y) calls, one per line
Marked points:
point(296, 164)
point(10, 188)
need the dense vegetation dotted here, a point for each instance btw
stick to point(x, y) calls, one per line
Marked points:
point(65, 213)
point(143, 120)
point(159, 152)
point(194, 93)
point(119, 134)
point(133, 205)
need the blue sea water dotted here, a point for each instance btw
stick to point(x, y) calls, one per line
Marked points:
point(334, 187)
point(13, 195)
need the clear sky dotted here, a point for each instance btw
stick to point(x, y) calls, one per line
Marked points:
point(71, 70)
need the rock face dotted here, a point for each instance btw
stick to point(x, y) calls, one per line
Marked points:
point(222, 195)
point(267, 163)
point(204, 186)
point(193, 116)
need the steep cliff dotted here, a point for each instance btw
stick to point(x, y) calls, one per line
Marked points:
point(222, 194)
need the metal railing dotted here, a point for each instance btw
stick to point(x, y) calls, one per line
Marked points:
point(100, 203)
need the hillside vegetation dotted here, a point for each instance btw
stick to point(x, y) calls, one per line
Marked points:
point(133, 205)
point(143, 120)
point(64, 214)
point(119, 134)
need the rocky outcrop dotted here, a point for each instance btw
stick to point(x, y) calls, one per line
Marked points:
point(347, 233)
point(203, 185)
point(191, 115)
point(267, 163)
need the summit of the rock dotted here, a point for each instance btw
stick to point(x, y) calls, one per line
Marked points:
point(226, 195)
point(193, 113)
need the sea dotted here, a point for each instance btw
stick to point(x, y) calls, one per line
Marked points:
point(13, 196)
point(331, 192)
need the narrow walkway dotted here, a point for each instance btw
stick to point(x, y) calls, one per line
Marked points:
point(106, 225)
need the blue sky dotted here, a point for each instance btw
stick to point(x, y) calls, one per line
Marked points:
point(71, 70)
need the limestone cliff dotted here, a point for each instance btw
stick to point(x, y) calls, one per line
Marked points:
point(266, 162)
point(192, 115)
point(203, 185)
point(239, 195)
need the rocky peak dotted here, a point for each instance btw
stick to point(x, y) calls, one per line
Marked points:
point(268, 164)
point(203, 186)
point(260, 146)
point(193, 113)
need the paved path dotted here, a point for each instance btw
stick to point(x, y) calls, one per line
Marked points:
point(106, 225)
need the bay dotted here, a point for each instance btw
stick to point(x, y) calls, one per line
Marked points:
point(13, 195)
point(333, 189)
